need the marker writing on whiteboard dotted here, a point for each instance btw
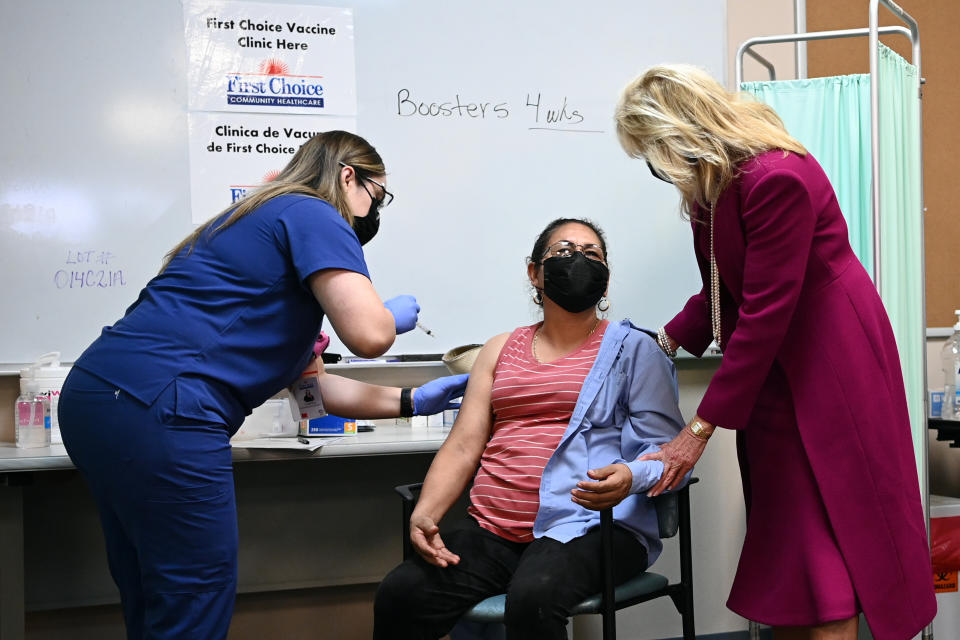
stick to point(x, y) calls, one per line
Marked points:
point(425, 330)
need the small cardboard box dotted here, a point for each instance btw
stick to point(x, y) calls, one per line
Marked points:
point(328, 425)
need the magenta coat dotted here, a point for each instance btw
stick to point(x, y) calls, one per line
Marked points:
point(794, 293)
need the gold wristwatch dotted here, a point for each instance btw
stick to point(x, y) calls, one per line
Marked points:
point(698, 431)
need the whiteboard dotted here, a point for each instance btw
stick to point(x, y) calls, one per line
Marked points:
point(94, 178)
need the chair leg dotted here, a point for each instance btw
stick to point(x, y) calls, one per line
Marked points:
point(609, 610)
point(686, 562)
point(405, 524)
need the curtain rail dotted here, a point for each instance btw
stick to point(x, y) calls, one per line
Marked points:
point(746, 47)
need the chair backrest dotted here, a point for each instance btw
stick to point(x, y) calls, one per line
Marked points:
point(668, 514)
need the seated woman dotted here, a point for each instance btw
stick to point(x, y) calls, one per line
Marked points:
point(555, 415)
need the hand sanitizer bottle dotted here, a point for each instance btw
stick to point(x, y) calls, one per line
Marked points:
point(950, 361)
point(32, 417)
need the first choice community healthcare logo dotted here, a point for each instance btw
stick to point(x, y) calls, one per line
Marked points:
point(273, 86)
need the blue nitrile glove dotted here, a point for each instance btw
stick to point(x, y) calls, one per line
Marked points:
point(404, 309)
point(436, 395)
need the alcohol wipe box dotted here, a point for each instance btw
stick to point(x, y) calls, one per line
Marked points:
point(328, 425)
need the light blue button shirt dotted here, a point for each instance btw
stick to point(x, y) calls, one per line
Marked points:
point(627, 407)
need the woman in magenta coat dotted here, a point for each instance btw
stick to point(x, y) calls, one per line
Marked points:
point(810, 376)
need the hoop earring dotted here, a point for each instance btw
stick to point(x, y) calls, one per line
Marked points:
point(603, 305)
point(537, 298)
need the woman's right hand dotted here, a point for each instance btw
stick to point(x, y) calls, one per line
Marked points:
point(425, 539)
point(404, 309)
point(678, 456)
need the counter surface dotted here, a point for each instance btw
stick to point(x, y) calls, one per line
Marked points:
point(385, 440)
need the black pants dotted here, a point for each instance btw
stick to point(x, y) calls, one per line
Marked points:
point(543, 580)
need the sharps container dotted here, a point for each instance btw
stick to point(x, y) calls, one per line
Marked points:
point(945, 547)
point(48, 375)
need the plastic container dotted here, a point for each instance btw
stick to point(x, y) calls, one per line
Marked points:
point(950, 365)
point(271, 419)
point(31, 415)
point(945, 543)
point(47, 375)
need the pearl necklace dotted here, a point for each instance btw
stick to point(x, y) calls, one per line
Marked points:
point(536, 335)
point(714, 286)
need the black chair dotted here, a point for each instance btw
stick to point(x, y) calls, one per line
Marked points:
point(673, 515)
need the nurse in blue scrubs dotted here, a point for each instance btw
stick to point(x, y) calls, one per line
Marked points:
point(148, 409)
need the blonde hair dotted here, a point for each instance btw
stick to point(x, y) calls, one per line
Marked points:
point(694, 131)
point(314, 171)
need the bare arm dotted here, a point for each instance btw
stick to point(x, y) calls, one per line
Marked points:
point(352, 398)
point(457, 460)
point(355, 310)
point(344, 396)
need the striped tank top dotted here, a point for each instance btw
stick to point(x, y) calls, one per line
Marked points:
point(532, 405)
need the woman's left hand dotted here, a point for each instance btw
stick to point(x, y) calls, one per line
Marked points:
point(613, 483)
point(678, 457)
point(438, 394)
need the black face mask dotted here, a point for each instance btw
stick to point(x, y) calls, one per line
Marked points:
point(575, 283)
point(367, 227)
point(658, 175)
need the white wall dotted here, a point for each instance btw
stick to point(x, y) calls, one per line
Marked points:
point(751, 18)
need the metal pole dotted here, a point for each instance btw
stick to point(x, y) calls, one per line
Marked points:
point(763, 61)
point(800, 26)
point(875, 139)
point(738, 64)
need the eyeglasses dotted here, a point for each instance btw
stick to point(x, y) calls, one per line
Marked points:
point(381, 202)
point(566, 249)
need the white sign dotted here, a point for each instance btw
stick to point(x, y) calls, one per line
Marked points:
point(234, 153)
point(277, 58)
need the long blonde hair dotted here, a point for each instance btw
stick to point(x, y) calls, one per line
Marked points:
point(314, 170)
point(694, 131)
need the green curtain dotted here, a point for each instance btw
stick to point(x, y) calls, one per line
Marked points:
point(901, 228)
point(831, 118)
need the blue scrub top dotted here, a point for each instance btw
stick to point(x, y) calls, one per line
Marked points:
point(233, 321)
